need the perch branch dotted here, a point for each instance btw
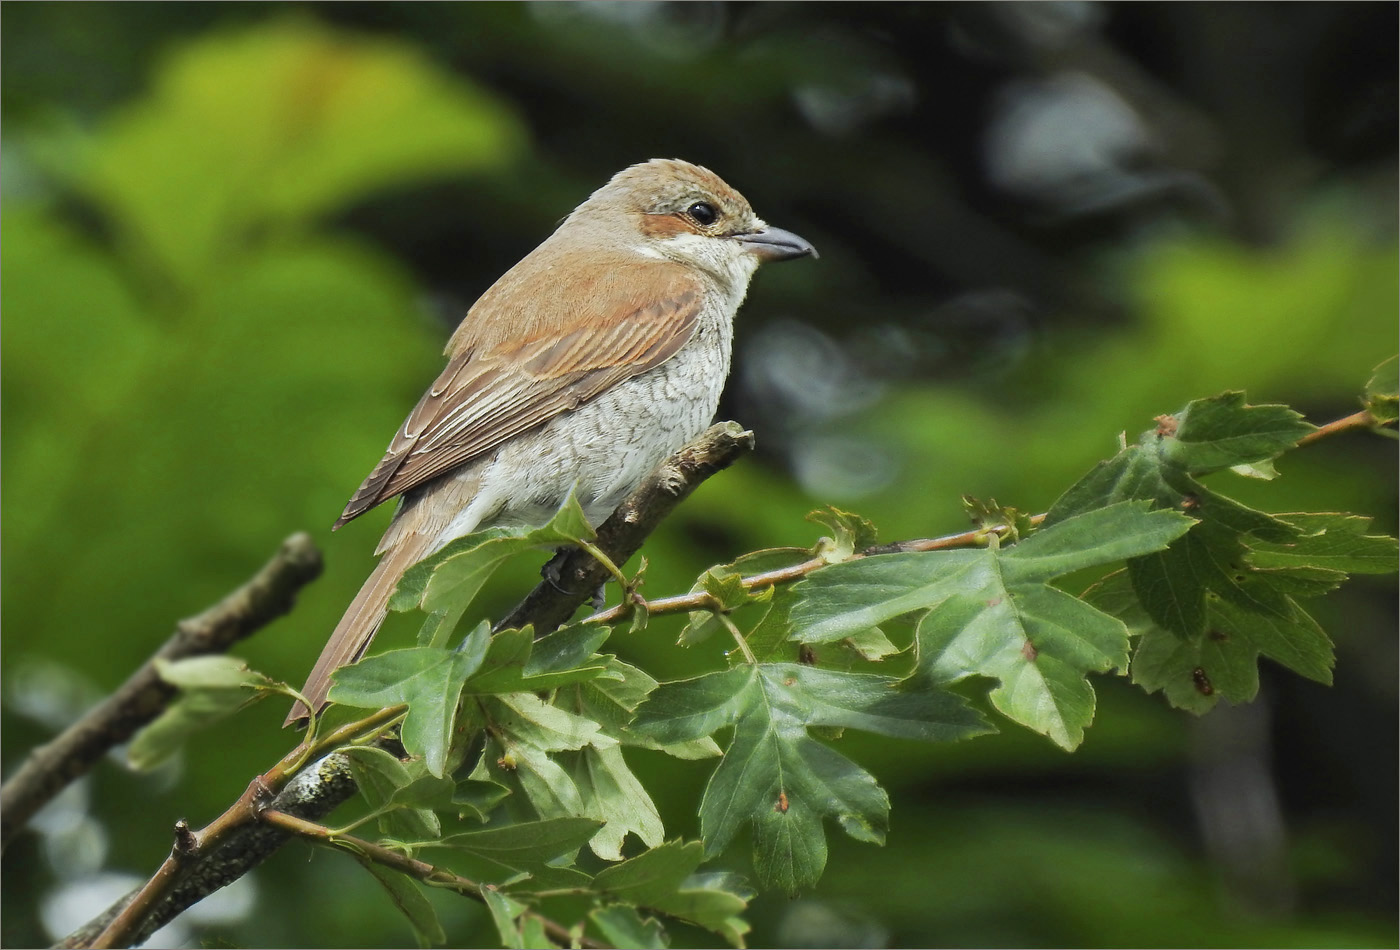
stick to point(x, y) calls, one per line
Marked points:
point(548, 606)
point(49, 768)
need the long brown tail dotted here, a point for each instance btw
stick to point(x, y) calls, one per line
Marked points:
point(361, 622)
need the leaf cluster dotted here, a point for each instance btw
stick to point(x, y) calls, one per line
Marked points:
point(513, 775)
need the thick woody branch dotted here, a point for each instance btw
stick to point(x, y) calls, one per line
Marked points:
point(201, 863)
point(549, 605)
point(49, 768)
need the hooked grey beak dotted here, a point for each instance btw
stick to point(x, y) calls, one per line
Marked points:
point(775, 244)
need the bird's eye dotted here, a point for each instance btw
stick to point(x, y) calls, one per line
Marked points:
point(704, 213)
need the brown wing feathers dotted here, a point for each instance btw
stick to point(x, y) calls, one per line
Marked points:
point(489, 394)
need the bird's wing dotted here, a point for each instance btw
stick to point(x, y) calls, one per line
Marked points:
point(497, 386)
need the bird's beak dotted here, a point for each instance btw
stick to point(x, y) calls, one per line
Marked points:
point(775, 244)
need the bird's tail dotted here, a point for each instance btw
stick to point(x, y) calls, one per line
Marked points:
point(361, 622)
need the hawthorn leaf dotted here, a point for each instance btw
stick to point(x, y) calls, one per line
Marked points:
point(1222, 431)
point(428, 679)
point(452, 577)
point(1334, 541)
point(992, 612)
point(773, 767)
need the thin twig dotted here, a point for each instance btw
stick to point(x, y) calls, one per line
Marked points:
point(419, 870)
point(1357, 420)
point(49, 768)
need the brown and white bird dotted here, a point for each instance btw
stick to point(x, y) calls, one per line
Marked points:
point(582, 368)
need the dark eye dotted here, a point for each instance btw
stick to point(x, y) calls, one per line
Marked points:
point(704, 213)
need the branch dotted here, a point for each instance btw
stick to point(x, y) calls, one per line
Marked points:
point(1357, 420)
point(420, 870)
point(202, 862)
point(550, 605)
point(49, 768)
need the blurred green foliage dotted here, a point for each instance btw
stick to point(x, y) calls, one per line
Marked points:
point(203, 352)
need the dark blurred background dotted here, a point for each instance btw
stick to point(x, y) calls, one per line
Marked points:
point(235, 237)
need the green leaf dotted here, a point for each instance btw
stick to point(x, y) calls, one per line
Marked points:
point(623, 926)
point(190, 713)
point(385, 782)
point(524, 731)
point(778, 778)
point(1221, 431)
point(993, 612)
point(612, 794)
point(509, 665)
point(1381, 391)
point(210, 672)
point(525, 845)
point(408, 898)
point(871, 644)
point(1207, 435)
point(1338, 542)
point(1222, 662)
point(664, 879)
point(849, 533)
point(612, 699)
point(504, 911)
point(452, 577)
point(428, 679)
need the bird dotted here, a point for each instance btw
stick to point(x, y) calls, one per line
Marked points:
point(587, 364)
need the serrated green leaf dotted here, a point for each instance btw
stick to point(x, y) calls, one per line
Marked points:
point(623, 926)
point(1222, 431)
point(409, 899)
point(527, 717)
point(846, 599)
point(993, 613)
point(1334, 541)
point(612, 794)
point(452, 577)
point(610, 700)
point(428, 679)
point(1222, 662)
point(773, 766)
